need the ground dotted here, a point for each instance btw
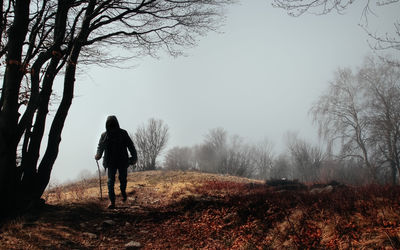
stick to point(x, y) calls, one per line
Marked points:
point(190, 210)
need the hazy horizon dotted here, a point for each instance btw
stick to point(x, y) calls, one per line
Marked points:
point(256, 79)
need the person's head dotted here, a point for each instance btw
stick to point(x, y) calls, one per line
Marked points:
point(112, 123)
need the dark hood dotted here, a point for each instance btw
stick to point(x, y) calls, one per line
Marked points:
point(112, 123)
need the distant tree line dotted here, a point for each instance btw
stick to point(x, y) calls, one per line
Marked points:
point(231, 155)
point(222, 154)
point(358, 117)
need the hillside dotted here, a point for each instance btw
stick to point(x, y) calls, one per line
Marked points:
point(181, 210)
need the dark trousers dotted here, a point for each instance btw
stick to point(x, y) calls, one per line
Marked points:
point(122, 173)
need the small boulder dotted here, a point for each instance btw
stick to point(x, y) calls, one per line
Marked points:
point(90, 235)
point(108, 223)
point(284, 184)
point(133, 245)
point(327, 189)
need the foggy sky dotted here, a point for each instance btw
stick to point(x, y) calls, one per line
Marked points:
point(257, 79)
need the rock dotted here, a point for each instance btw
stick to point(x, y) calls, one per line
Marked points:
point(90, 235)
point(283, 184)
point(316, 191)
point(108, 223)
point(335, 183)
point(326, 189)
point(133, 245)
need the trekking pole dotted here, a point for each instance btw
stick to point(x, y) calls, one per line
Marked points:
point(101, 191)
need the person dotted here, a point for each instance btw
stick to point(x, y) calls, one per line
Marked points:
point(115, 143)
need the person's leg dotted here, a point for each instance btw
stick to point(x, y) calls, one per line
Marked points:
point(122, 174)
point(110, 183)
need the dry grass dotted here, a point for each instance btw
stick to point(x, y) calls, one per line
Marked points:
point(168, 186)
point(187, 210)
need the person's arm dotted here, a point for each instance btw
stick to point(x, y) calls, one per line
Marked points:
point(131, 148)
point(100, 147)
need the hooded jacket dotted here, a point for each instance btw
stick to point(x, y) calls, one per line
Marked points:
point(115, 143)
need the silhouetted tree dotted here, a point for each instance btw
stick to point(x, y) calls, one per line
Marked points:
point(39, 39)
point(150, 140)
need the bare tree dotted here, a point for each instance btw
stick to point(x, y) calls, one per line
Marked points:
point(321, 7)
point(361, 112)
point(40, 39)
point(179, 158)
point(150, 140)
point(263, 158)
point(299, 7)
point(213, 152)
point(306, 159)
point(201, 155)
point(237, 158)
point(342, 118)
point(381, 81)
point(281, 168)
point(349, 171)
point(217, 154)
point(216, 139)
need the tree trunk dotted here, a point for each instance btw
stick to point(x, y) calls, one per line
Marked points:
point(26, 120)
point(9, 105)
point(394, 172)
point(30, 159)
point(46, 165)
point(31, 155)
point(51, 153)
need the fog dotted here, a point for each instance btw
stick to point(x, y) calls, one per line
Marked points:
point(256, 78)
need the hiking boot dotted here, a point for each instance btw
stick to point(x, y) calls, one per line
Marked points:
point(124, 197)
point(111, 206)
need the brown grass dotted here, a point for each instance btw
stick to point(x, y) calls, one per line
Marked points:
point(187, 210)
point(166, 186)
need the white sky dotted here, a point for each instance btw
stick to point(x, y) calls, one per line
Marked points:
point(257, 80)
